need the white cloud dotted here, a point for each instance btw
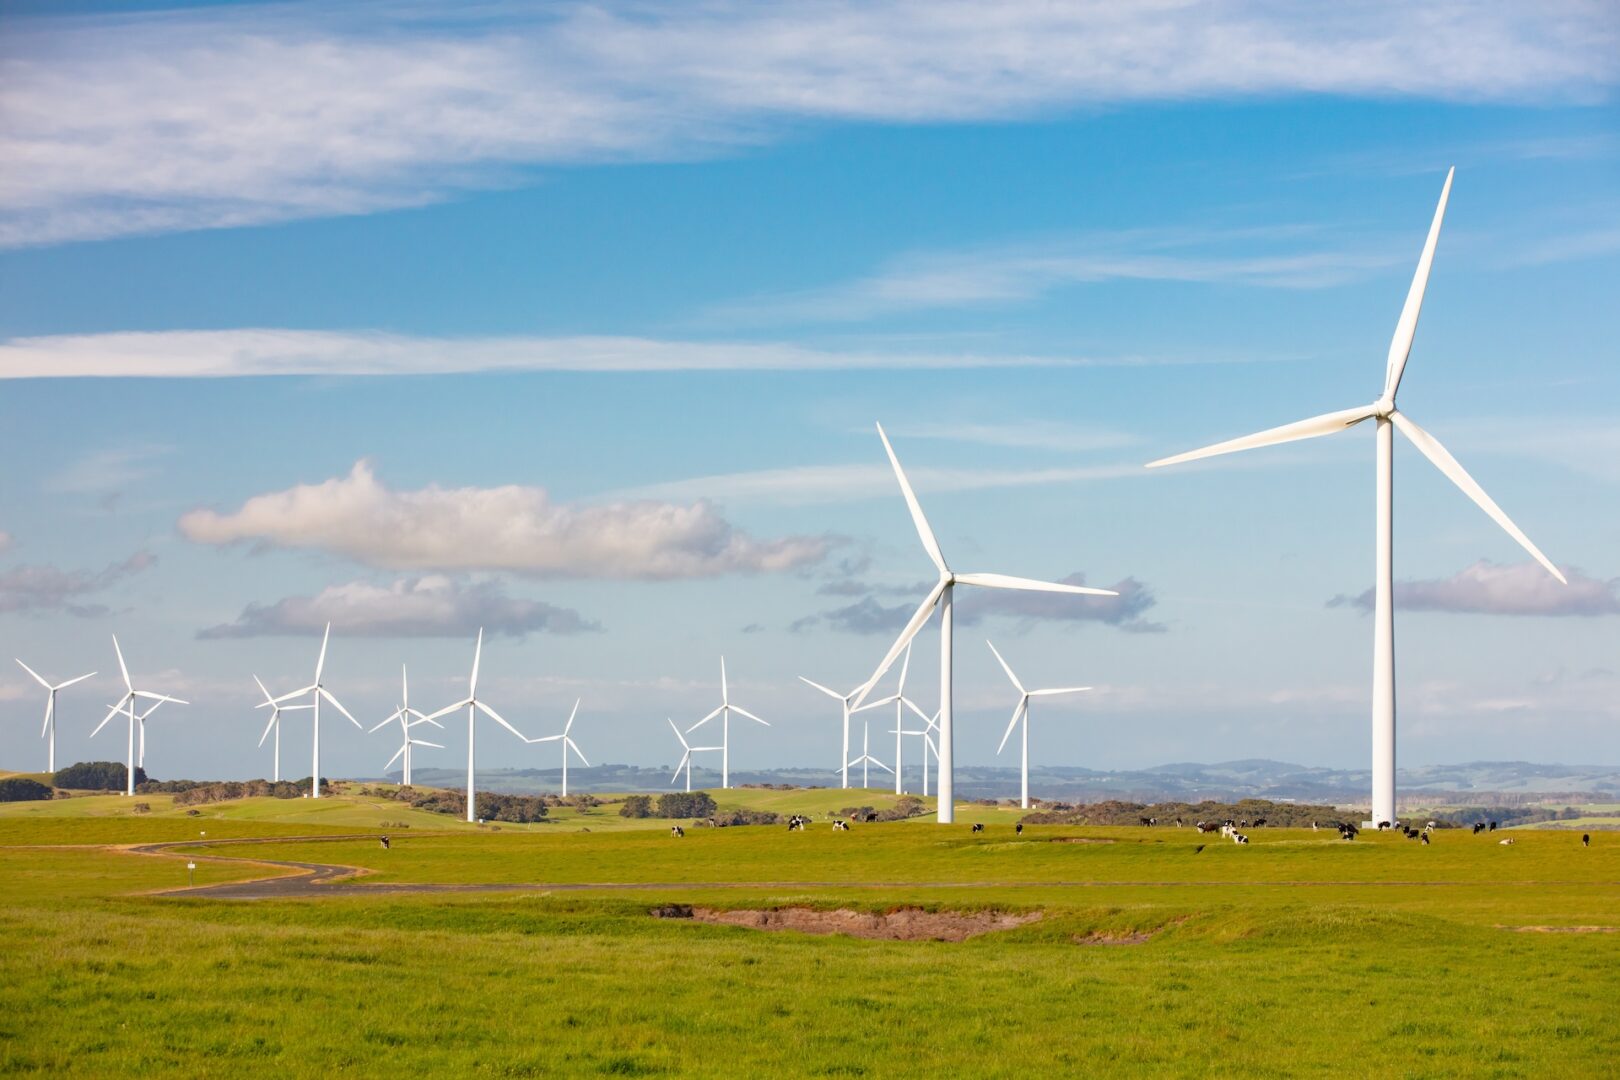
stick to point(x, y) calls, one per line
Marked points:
point(118, 124)
point(46, 588)
point(261, 351)
point(430, 606)
point(107, 471)
point(1488, 588)
point(510, 528)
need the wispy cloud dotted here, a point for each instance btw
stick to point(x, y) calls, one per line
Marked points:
point(1283, 257)
point(262, 352)
point(430, 606)
point(802, 485)
point(43, 588)
point(868, 615)
point(510, 528)
point(1021, 435)
point(120, 124)
point(1488, 588)
point(108, 471)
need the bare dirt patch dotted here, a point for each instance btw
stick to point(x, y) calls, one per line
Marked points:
point(1126, 937)
point(1562, 929)
point(904, 924)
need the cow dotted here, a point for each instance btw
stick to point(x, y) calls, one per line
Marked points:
point(1019, 828)
point(1479, 827)
point(1382, 825)
point(1207, 826)
point(1239, 838)
point(1492, 828)
point(1586, 839)
point(1425, 839)
point(1504, 843)
point(1259, 822)
point(840, 825)
point(383, 840)
point(977, 827)
point(676, 830)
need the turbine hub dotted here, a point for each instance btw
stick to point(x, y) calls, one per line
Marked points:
point(1383, 407)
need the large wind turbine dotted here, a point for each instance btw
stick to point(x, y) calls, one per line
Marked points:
point(1388, 419)
point(126, 704)
point(276, 710)
point(408, 718)
point(901, 703)
point(1022, 711)
point(941, 596)
point(48, 732)
point(686, 758)
point(567, 744)
point(474, 707)
point(724, 711)
point(316, 691)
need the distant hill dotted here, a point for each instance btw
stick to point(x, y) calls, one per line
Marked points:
point(1490, 781)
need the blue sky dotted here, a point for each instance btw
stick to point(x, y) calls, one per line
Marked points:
point(574, 324)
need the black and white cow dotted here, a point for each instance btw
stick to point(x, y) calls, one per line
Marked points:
point(676, 830)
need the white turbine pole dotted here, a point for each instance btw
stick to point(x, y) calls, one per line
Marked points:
point(129, 770)
point(1383, 698)
point(947, 754)
point(1023, 788)
point(277, 766)
point(724, 711)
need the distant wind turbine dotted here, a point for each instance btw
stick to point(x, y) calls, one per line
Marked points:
point(316, 692)
point(1021, 711)
point(724, 711)
point(126, 704)
point(567, 745)
point(901, 703)
point(940, 596)
point(274, 725)
point(866, 760)
point(408, 718)
point(1383, 411)
point(843, 701)
point(474, 707)
point(686, 758)
point(48, 732)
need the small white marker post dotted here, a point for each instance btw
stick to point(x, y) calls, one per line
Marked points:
point(191, 874)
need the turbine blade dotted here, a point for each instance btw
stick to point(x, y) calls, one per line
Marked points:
point(1004, 581)
point(404, 688)
point(923, 613)
point(268, 728)
point(269, 698)
point(36, 675)
point(686, 757)
point(1059, 690)
point(878, 704)
point(912, 705)
point(924, 533)
point(905, 666)
point(148, 695)
point(1326, 424)
point(1400, 346)
point(446, 711)
point(570, 725)
point(679, 735)
point(112, 712)
point(288, 697)
point(718, 710)
point(724, 696)
point(1005, 667)
point(740, 711)
point(320, 661)
point(398, 754)
point(1442, 459)
point(424, 742)
point(823, 689)
point(499, 719)
point(478, 652)
point(1012, 724)
point(546, 738)
point(50, 707)
point(391, 718)
point(575, 747)
point(70, 682)
point(338, 705)
point(121, 665)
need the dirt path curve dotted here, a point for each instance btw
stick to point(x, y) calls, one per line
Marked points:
point(307, 880)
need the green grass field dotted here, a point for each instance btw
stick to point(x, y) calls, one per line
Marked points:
point(1296, 955)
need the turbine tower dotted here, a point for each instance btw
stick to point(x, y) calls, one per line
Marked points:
point(866, 760)
point(126, 704)
point(686, 758)
point(48, 732)
point(408, 718)
point(1022, 711)
point(567, 744)
point(724, 711)
point(1383, 411)
point(941, 596)
point(274, 725)
point(474, 707)
point(316, 692)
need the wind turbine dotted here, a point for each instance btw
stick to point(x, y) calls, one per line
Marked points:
point(686, 758)
point(316, 691)
point(866, 760)
point(1022, 710)
point(48, 732)
point(126, 704)
point(569, 744)
point(408, 718)
point(1383, 411)
point(843, 700)
point(724, 711)
point(941, 596)
point(276, 710)
point(900, 702)
point(474, 707)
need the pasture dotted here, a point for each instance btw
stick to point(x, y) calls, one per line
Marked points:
point(1297, 954)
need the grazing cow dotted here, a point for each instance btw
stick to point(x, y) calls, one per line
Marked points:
point(1239, 838)
point(1206, 826)
point(1259, 822)
point(840, 825)
point(1432, 825)
point(1382, 825)
point(1019, 828)
point(869, 818)
point(978, 827)
point(1586, 839)
point(1492, 828)
point(1313, 826)
point(1178, 823)
point(1509, 840)
point(1425, 837)
point(383, 840)
point(676, 830)
point(1479, 827)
